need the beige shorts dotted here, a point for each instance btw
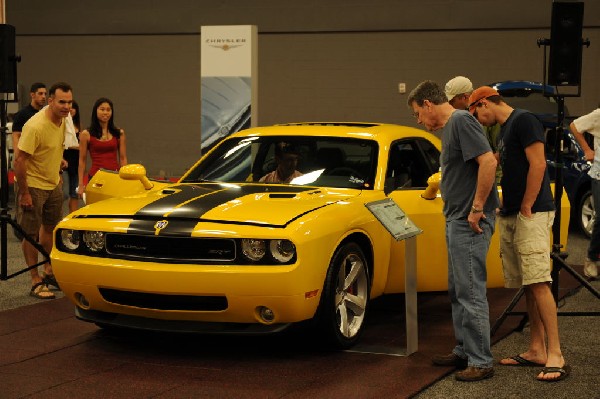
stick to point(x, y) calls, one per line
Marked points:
point(47, 210)
point(525, 248)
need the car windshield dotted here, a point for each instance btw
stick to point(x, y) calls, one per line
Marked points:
point(298, 160)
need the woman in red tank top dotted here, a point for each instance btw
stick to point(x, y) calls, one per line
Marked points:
point(104, 141)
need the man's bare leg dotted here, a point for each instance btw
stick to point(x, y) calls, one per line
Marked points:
point(546, 308)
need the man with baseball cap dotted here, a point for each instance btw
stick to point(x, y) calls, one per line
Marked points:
point(524, 223)
point(457, 91)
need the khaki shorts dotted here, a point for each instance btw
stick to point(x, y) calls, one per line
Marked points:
point(47, 209)
point(525, 248)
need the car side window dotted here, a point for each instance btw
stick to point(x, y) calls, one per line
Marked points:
point(410, 164)
point(432, 155)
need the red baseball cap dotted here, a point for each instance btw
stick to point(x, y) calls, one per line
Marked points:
point(479, 94)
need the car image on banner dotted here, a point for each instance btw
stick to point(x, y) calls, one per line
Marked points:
point(222, 251)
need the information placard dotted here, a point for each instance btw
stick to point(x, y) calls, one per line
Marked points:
point(393, 219)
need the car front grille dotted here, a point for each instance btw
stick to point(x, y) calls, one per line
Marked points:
point(164, 302)
point(170, 249)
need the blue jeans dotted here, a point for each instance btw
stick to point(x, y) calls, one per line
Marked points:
point(594, 247)
point(467, 280)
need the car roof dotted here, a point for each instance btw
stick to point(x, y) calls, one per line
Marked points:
point(381, 132)
point(522, 86)
point(533, 96)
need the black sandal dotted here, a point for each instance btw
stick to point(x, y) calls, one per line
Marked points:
point(38, 290)
point(49, 279)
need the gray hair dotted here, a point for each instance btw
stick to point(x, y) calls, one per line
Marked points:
point(427, 90)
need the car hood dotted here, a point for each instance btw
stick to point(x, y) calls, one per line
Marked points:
point(254, 204)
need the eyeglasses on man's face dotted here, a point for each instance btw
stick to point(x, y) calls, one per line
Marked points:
point(417, 113)
point(473, 107)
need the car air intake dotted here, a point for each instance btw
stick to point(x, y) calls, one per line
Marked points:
point(164, 302)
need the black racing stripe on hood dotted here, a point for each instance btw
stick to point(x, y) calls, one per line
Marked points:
point(182, 220)
point(183, 193)
point(195, 209)
point(141, 227)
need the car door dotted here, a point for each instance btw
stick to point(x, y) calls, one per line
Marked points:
point(411, 162)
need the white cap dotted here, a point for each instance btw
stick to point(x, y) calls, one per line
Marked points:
point(458, 85)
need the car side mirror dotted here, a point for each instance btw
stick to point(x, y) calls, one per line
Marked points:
point(135, 172)
point(433, 186)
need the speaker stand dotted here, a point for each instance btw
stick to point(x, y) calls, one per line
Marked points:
point(558, 257)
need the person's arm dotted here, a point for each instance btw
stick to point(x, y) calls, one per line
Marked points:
point(17, 129)
point(84, 138)
point(21, 164)
point(535, 175)
point(486, 177)
point(122, 149)
point(589, 152)
point(15, 140)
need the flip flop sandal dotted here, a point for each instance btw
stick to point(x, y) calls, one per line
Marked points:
point(521, 362)
point(41, 291)
point(563, 371)
point(49, 279)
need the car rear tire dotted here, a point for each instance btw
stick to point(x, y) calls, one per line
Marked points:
point(344, 302)
point(586, 215)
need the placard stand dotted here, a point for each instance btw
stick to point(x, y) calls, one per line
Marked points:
point(402, 229)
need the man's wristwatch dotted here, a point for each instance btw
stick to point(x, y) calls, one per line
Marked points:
point(475, 210)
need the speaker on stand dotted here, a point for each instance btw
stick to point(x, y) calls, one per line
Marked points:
point(564, 68)
point(8, 93)
point(8, 60)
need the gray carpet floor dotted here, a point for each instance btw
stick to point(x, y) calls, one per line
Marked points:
point(580, 342)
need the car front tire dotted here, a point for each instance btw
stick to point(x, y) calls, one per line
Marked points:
point(344, 302)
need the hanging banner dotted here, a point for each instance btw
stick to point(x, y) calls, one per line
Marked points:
point(229, 77)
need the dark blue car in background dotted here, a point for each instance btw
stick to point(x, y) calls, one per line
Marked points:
point(576, 181)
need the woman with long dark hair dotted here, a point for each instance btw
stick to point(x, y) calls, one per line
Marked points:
point(104, 141)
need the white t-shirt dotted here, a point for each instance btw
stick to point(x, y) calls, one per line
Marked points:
point(591, 123)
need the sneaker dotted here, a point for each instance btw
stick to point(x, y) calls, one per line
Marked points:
point(471, 374)
point(450, 360)
point(590, 269)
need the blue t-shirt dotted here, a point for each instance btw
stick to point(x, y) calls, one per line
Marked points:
point(463, 140)
point(521, 130)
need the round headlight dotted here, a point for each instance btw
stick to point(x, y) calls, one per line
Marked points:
point(282, 250)
point(70, 239)
point(253, 249)
point(94, 240)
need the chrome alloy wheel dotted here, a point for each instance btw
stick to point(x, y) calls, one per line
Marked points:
point(351, 295)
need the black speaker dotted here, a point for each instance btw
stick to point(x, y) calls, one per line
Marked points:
point(566, 44)
point(8, 61)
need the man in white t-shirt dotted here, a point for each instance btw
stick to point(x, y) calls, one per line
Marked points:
point(591, 123)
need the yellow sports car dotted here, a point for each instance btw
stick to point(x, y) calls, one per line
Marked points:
point(268, 229)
